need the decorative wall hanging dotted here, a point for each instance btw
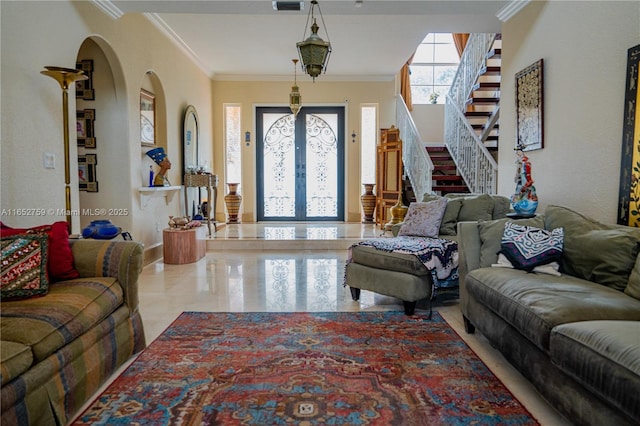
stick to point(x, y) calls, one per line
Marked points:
point(629, 198)
point(84, 128)
point(529, 108)
point(87, 172)
point(147, 118)
point(84, 88)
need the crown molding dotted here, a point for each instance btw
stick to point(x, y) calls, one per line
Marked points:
point(108, 8)
point(164, 28)
point(511, 9)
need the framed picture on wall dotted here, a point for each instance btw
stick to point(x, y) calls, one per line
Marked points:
point(87, 172)
point(629, 196)
point(84, 88)
point(84, 128)
point(529, 111)
point(147, 118)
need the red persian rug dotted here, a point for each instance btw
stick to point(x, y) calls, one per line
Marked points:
point(340, 368)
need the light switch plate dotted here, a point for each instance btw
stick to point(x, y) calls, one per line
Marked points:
point(49, 160)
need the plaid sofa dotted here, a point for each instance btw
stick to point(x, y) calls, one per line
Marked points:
point(57, 350)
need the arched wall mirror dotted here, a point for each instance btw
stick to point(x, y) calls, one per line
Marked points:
point(190, 140)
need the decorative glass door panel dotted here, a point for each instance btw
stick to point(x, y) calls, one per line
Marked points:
point(300, 164)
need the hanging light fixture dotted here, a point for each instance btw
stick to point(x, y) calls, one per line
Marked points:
point(295, 100)
point(314, 52)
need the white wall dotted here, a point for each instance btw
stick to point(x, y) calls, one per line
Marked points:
point(429, 120)
point(584, 46)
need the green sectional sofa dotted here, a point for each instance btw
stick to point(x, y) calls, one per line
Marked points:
point(404, 276)
point(58, 349)
point(576, 336)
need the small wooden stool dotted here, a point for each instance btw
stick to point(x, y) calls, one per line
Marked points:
point(184, 245)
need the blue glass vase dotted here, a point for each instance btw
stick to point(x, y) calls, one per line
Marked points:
point(101, 230)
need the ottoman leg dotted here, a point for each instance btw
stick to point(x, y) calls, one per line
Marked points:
point(409, 307)
point(355, 293)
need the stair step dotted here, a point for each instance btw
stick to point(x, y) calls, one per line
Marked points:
point(450, 188)
point(481, 126)
point(494, 53)
point(443, 167)
point(482, 101)
point(447, 178)
point(484, 86)
point(433, 148)
point(490, 70)
point(478, 113)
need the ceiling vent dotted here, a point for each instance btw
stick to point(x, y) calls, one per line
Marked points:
point(288, 5)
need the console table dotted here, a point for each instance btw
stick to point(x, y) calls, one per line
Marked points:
point(203, 180)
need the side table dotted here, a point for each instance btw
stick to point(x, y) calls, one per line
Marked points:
point(183, 245)
point(206, 180)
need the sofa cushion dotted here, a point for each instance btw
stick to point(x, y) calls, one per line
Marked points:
point(491, 234)
point(24, 266)
point(594, 251)
point(370, 256)
point(633, 287)
point(476, 208)
point(501, 206)
point(534, 303)
point(528, 246)
point(603, 356)
point(15, 359)
point(423, 219)
point(59, 258)
point(71, 308)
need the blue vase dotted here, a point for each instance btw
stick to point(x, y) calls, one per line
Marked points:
point(101, 230)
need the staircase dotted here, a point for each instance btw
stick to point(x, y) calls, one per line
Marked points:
point(472, 113)
point(483, 105)
point(445, 174)
point(467, 160)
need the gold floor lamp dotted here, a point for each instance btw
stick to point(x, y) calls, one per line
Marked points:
point(65, 76)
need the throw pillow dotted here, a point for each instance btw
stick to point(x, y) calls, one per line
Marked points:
point(549, 269)
point(450, 217)
point(594, 251)
point(491, 236)
point(59, 259)
point(527, 247)
point(24, 266)
point(423, 219)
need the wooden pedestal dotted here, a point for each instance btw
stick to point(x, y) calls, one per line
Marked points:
point(184, 246)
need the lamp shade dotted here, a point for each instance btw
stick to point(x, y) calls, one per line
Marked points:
point(295, 100)
point(314, 53)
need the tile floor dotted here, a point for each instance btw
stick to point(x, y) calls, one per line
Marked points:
point(292, 267)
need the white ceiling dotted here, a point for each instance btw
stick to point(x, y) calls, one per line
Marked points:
point(241, 39)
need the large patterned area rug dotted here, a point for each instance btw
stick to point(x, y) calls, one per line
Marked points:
point(340, 368)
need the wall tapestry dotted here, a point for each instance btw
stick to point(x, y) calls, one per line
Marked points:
point(529, 110)
point(629, 198)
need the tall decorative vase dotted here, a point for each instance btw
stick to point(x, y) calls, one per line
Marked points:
point(368, 200)
point(233, 200)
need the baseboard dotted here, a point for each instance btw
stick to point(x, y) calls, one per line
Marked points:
point(153, 254)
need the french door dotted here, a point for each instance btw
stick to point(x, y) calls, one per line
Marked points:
point(300, 164)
